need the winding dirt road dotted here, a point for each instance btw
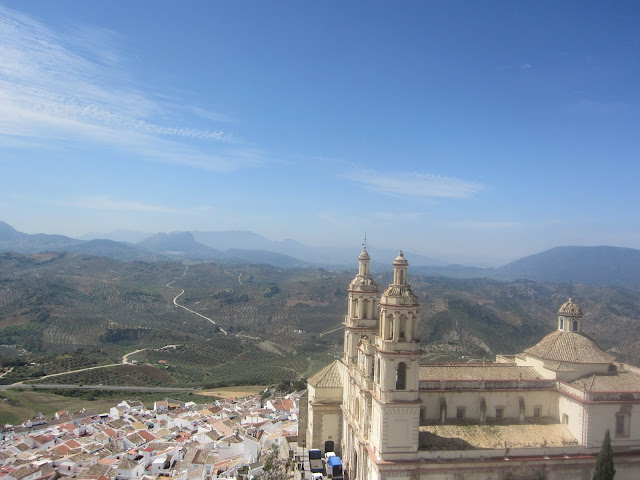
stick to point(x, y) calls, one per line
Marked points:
point(175, 302)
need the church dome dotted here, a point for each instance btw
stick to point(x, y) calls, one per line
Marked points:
point(571, 347)
point(570, 309)
point(400, 260)
point(364, 255)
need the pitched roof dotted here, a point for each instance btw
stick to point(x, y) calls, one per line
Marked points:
point(127, 464)
point(148, 436)
point(572, 347)
point(98, 470)
point(328, 377)
point(477, 372)
point(621, 382)
point(23, 472)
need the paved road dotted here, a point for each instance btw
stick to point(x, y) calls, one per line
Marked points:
point(175, 302)
point(98, 387)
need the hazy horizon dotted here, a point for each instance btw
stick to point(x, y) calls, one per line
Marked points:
point(478, 133)
point(125, 235)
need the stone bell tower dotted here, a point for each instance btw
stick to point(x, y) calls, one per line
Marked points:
point(362, 311)
point(396, 405)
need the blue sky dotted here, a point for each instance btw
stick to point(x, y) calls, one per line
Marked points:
point(475, 132)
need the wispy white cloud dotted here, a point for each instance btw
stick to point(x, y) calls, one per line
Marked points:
point(415, 184)
point(526, 66)
point(105, 203)
point(70, 87)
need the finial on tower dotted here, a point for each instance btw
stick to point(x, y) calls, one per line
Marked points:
point(364, 244)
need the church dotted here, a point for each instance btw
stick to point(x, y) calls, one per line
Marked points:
point(539, 414)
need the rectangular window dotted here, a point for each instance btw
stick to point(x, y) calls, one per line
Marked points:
point(499, 412)
point(621, 426)
point(460, 412)
point(537, 412)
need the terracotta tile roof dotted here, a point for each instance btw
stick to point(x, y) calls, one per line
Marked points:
point(328, 377)
point(62, 449)
point(136, 439)
point(146, 435)
point(127, 464)
point(558, 367)
point(73, 444)
point(96, 471)
point(477, 372)
point(23, 472)
point(572, 347)
point(621, 382)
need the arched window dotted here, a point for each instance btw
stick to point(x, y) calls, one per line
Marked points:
point(622, 425)
point(365, 309)
point(378, 370)
point(403, 327)
point(575, 325)
point(561, 323)
point(401, 376)
point(388, 334)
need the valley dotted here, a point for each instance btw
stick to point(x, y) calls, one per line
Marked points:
point(209, 325)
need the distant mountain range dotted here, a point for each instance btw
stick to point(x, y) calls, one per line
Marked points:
point(596, 265)
point(608, 266)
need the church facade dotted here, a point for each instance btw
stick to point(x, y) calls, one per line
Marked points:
point(541, 414)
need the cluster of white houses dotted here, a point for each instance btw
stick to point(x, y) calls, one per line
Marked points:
point(541, 414)
point(174, 440)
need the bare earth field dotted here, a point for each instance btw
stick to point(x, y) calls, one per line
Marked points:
point(21, 405)
point(234, 392)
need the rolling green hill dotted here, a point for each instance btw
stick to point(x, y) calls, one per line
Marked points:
point(69, 311)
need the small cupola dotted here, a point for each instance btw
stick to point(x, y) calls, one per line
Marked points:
point(570, 317)
point(363, 261)
point(400, 266)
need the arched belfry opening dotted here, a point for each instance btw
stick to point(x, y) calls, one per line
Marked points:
point(402, 332)
point(401, 376)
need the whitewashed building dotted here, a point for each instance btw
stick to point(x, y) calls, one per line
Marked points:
point(540, 414)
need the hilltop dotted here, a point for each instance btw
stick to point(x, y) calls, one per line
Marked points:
point(72, 310)
point(604, 265)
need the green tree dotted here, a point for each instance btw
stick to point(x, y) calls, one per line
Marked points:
point(604, 464)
